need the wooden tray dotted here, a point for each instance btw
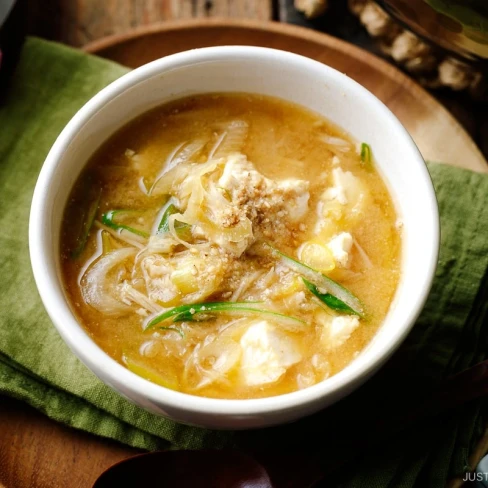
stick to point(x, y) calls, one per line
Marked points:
point(37, 452)
point(437, 133)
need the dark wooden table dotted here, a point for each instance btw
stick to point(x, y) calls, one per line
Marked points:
point(59, 456)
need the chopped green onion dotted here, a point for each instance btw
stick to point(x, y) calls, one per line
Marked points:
point(366, 156)
point(176, 329)
point(330, 300)
point(169, 209)
point(187, 313)
point(321, 281)
point(183, 230)
point(106, 242)
point(135, 364)
point(89, 219)
point(109, 219)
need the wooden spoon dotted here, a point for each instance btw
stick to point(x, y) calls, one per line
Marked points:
point(187, 469)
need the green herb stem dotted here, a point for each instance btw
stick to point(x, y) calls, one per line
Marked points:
point(112, 219)
point(190, 313)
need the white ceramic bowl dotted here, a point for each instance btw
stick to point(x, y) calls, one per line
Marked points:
point(254, 70)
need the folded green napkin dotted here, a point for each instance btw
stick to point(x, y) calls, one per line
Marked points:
point(51, 83)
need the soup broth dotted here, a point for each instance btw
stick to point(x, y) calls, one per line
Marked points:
point(231, 246)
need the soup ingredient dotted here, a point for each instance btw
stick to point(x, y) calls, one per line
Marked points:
point(138, 366)
point(330, 300)
point(115, 219)
point(340, 247)
point(87, 224)
point(266, 354)
point(182, 230)
point(168, 210)
point(204, 311)
point(338, 330)
point(177, 329)
point(347, 191)
point(100, 284)
point(317, 255)
point(366, 157)
point(343, 298)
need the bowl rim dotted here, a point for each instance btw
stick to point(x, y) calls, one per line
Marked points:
point(73, 333)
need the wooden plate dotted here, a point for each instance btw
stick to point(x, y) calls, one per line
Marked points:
point(437, 133)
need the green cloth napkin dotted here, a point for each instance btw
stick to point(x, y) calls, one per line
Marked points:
point(51, 83)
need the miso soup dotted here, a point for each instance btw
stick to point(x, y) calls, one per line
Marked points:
point(231, 246)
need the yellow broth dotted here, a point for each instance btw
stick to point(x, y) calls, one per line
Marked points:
point(278, 141)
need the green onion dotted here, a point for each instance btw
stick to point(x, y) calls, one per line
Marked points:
point(169, 209)
point(112, 219)
point(176, 329)
point(89, 219)
point(366, 156)
point(187, 313)
point(106, 242)
point(321, 281)
point(330, 300)
point(135, 364)
point(183, 230)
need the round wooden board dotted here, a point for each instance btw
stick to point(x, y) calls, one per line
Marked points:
point(436, 132)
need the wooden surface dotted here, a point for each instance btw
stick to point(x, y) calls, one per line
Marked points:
point(77, 22)
point(439, 136)
point(36, 452)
